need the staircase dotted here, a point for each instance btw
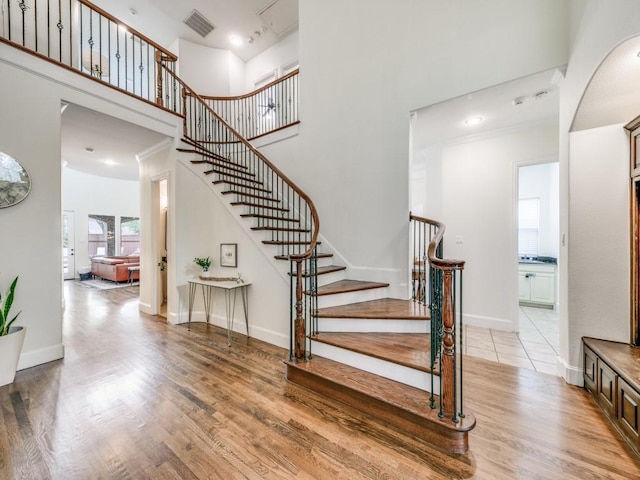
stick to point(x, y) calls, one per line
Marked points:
point(395, 359)
point(348, 339)
point(370, 351)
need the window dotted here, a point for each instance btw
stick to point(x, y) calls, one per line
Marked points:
point(528, 224)
point(129, 235)
point(102, 237)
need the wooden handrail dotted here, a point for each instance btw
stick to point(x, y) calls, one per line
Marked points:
point(312, 208)
point(440, 263)
point(256, 91)
point(170, 56)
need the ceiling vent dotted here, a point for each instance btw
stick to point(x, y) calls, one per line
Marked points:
point(199, 23)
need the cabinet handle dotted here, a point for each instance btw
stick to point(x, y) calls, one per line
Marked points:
point(529, 275)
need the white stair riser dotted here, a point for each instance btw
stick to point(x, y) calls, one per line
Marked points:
point(392, 371)
point(346, 298)
point(373, 325)
point(332, 277)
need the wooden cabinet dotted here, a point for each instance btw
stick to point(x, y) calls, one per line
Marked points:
point(607, 388)
point(590, 366)
point(537, 283)
point(628, 400)
point(611, 375)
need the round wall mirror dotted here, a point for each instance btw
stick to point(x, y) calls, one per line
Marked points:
point(14, 181)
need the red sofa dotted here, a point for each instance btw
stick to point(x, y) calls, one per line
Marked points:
point(116, 268)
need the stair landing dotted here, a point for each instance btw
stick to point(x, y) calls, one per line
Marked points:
point(392, 403)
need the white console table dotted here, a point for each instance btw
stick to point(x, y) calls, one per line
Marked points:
point(230, 288)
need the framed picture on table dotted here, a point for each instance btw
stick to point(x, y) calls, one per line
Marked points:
point(228, 254)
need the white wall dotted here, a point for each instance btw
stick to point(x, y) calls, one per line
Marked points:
point(208, 71)
point(479, 209)
point(31, 107)
point(86, 194)
point(599, 257)
point(273, 59)
point(359, 85)
point(541, 181)
point(602, 26)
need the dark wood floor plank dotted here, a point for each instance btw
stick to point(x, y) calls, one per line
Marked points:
point(138, 398)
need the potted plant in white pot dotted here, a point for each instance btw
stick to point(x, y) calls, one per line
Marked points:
point(11, 338)
point(205, 264)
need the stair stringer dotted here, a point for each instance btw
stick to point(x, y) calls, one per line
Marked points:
point(392, 371)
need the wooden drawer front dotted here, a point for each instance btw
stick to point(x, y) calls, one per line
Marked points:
point(607, 388)
point(589, 369)
point(628, 400)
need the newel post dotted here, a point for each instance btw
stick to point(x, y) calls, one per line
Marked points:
point(447, 366)
point(159, 78)
point(299, 328)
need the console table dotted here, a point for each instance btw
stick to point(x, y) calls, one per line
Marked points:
point(230, 288)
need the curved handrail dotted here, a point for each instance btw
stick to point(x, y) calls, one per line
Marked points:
point(256, 91)
point(434, 260)
point(312, 208)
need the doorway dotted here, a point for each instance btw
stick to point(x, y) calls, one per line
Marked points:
point(538, 226)
point(68, 245)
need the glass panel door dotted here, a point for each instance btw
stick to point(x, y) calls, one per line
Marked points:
point(68, 245)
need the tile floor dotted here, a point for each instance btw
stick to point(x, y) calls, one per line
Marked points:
point(535, 347)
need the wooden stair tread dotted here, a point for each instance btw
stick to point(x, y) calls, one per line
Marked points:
point(281, 229)
point(243, 185)
point(287, 242)
point(251, 195)
point(392, 402)
point(384, 308)
point(319, 255)
point(344, 286)
point(326, 269)
point(270, 217)
point(410, 350)
point(244, 176)
point(258, 205)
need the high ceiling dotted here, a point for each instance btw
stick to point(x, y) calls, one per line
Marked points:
point(611, 97)
point(116, 143)
point(264, 21)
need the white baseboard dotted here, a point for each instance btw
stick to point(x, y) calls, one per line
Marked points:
point(239, 326)
point(572, 375)
point(488, 322)
point(40, 356)
point(145, 308)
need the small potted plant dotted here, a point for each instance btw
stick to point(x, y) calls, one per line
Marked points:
point(11, 338)
point(204, 263)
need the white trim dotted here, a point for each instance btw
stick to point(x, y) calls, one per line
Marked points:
point(40, 356)
point(571, 374)
point(158, 147)
point(502, 324)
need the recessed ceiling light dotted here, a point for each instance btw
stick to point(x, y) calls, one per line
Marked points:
point(471, 121)
point(235, 40)
point(540, 94)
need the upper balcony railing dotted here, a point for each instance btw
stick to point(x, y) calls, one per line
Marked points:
point(265, 110)
point(85, 38)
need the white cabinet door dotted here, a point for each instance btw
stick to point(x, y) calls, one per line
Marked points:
point(523, 286)
point(543, 288)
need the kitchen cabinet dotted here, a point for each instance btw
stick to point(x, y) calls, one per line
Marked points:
point(537, 283)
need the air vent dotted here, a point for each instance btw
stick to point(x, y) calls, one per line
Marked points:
point(199, 24)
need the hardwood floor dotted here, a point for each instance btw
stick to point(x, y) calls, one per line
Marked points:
point(136, 398)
